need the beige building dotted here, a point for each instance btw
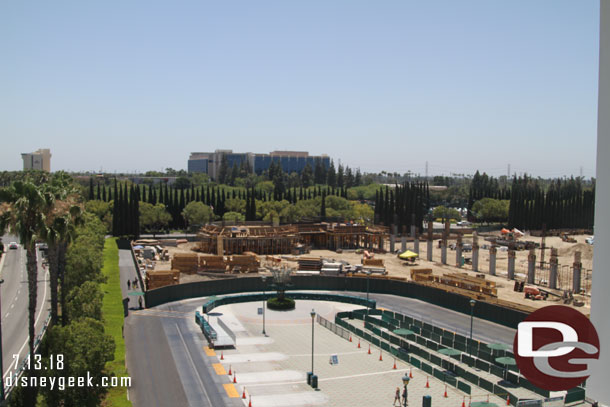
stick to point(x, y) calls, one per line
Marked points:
point(38, 160)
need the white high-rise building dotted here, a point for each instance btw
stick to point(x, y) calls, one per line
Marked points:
point(38, 160)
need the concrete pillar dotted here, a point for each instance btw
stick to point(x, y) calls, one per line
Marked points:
point(458, 251)
point(430, 241)
point(511, 264)
point(403, 243)
point(381, 243)
point(413, 231)
point(577, 268)
point(553, 273)
point(392, 241)
point(492, 260)
point(416, 243)
point(531, 267)
point(394, 229)
point(475, 251)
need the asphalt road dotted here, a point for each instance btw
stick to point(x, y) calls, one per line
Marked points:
point(14, 312)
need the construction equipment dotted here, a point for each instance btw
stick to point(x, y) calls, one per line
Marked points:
point(534, 293)
point(566, 238)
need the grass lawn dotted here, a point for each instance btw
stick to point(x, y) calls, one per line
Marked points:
point(112, 310)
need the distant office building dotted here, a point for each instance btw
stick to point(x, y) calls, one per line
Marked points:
point(38, 160)
point(291, 161)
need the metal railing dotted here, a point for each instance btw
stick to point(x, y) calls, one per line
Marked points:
point(344, 333)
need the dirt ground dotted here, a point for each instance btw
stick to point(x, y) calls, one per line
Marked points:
point(399, 268)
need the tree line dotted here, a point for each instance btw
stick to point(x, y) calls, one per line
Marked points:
point(50, 209)
point(403, 205)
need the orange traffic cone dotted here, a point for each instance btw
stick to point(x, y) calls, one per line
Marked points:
point(507, 400)
point(243, 395)
point(427, 383)
point(411, 376)
point(350, 338)
point(234, 377)
point(394, 364)
point(250, 402)
point(358, 343)
point(380, 357)
point(222, 356)
point(464, 401)
point(445, 395)
point(230, 373)
point(369, 349)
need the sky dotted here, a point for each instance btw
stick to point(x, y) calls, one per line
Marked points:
point(379, 85)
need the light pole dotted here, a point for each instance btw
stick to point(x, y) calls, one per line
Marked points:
point(368, 274)
point(264, 278)
point(1, 360)
point(472, 302)
point(313, 315)
point(405, 382)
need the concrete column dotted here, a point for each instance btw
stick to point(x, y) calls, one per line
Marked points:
point(553, 273)
point(511, 264)
point(381, 243)
point(416, 243)
point(458, 251)
point(531, 267)
point(394, 229)
point(430, 241)
point(577, 267)
point(403, 243)
point(444, 244)
point(475, 251)
point(392, 241)
point(413, 231)
point(492, 260)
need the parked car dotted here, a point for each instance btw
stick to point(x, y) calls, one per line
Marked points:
point(590, 240)
point(464, 223)
point(467, 247)
point(13, 245)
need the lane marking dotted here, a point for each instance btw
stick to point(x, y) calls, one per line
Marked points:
point(219, 369)
point(7, 314)
point(193, 366)
point(44, 299)
point(209, 351)
point(231, 390)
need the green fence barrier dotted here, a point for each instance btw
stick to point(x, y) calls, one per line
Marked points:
point(496, 370)
point(575, 394)
point(428, 327)
point(432, 345)
point(435, 337)
point(439, 374)
point(450, 380)
point(426, 368)
point(460, 346)
point(486, 384)
point(481, 364)
point(436, 360)
point(463, 387)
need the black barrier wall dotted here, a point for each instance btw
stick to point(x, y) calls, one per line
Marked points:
point(456, 302)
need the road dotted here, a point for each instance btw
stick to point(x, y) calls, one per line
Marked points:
point(15, 304)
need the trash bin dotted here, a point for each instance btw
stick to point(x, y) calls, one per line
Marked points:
point(427, 401)
point(309, 374)
point(314, 382)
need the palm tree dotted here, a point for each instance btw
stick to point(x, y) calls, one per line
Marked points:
point(61, 217)
point(22, 211)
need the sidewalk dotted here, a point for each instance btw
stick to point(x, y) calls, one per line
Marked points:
point(128, 272)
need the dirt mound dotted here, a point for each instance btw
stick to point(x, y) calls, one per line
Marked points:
point(585, 249)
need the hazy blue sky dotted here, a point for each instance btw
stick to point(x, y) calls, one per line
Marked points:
point(380, 85)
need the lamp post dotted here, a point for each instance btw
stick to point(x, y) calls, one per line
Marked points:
point(264, 278)
point(368, 274)
point(472, 303)
point(1, 360)
point(313, 315)
point(405, 382)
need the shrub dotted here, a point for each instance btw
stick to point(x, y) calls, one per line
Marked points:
point(280, 304)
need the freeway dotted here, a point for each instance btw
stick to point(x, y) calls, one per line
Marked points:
point(15, 304)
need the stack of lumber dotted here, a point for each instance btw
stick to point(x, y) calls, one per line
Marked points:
point(211, 263)
point(243, 263)
point(185, 262)
point(157, 279)
point(372, 262)
point(310, 263)
point(466, 282)
point(421, 274)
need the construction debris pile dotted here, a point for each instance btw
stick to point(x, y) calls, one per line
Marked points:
point(157, 279)
point(460, 283)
